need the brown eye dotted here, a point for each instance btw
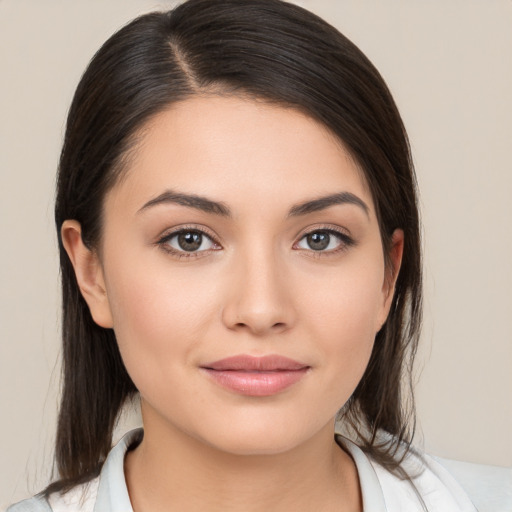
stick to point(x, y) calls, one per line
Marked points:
point(318, 241)
point(188, 241)
point(325, 240)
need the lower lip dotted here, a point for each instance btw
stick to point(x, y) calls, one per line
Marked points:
point(256, 383)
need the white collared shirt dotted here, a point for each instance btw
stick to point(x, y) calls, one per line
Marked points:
point(490, 487)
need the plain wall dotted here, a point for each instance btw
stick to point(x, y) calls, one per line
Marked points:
point(449, 67)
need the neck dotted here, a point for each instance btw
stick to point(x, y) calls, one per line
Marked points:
point(171, 470)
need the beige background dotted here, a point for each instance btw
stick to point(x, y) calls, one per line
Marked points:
point(449, 66)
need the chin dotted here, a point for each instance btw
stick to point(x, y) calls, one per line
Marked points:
point(253, 446)
point(271, 437)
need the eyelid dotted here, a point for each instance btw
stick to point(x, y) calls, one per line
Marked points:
point(324, 227)
point(346, 240)
point(344, 236)
point(168, 234)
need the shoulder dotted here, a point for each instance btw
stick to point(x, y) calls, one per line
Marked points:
point(442, 482)
point(489, 487)
point(106, 493)
point(79, 499)
point(432, 484)
point(35, 504)
point(428, 485)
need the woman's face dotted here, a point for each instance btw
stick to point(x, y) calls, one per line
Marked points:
point(243, 273)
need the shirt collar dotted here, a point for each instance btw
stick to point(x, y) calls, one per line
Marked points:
point(112, 491)
point(371, 490)
point(113, 494)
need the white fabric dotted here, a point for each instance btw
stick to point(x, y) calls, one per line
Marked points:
point(431, 484)
point(490, 487)
point(434, 484)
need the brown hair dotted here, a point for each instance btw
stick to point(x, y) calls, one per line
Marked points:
point(267, 49)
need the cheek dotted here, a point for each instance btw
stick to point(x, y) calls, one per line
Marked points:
point(344, 318)
point(347, 302)
point(159, 317)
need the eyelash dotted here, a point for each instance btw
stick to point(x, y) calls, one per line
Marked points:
point(345, 242)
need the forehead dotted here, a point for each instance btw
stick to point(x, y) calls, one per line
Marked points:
point(238, 150)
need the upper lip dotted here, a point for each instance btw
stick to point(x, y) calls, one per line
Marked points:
point(243, 362)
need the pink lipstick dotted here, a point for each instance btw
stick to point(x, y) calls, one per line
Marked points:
point(256, 376)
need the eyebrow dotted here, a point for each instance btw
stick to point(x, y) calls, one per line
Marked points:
point(325, 202)
point(190, 200)
point(219, 208)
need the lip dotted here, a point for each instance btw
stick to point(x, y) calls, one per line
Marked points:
point(256, 376)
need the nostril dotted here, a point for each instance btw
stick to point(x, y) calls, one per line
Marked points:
point(253, 327)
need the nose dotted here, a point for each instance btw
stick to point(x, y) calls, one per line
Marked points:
point(260, 296)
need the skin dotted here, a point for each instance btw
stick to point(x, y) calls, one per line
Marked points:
point(255, 287)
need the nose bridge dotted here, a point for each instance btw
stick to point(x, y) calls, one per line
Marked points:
point(259, 300)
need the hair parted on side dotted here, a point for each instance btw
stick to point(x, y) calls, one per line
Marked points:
point(268, 50)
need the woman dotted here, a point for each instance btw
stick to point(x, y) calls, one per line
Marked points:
point(239, 242)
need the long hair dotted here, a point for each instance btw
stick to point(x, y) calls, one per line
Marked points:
point(265, 49)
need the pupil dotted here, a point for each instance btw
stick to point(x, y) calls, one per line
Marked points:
point(318, 241)
point(190, 241)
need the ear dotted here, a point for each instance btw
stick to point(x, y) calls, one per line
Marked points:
point(391, 272)
point(88, 272)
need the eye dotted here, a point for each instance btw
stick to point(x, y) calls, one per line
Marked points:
point(325, 240)
point(187, 241)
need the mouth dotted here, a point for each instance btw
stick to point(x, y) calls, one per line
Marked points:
point(256, 376)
